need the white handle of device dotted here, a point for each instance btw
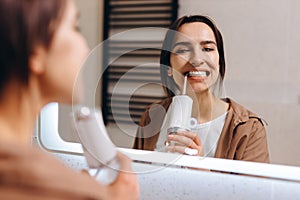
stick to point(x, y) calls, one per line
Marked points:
point(99, 150)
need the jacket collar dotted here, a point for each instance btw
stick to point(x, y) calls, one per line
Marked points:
point(240, 113)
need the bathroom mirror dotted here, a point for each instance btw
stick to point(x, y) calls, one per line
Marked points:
point(261, 49)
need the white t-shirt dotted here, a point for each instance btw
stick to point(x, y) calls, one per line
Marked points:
point(209, 134)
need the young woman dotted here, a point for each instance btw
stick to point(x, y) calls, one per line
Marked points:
point(193, 47)
point(40, 55)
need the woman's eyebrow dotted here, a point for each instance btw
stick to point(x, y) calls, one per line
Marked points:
point(182, 43)
point(208, 42)
point(188, 44)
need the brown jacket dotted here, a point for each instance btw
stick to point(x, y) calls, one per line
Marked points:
point(28, 174)
point(243, 136)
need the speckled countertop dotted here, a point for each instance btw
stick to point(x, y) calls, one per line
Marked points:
point(158, 182)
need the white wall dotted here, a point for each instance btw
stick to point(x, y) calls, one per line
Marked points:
point(91, 23)
point(261, 45)
point(91, 26)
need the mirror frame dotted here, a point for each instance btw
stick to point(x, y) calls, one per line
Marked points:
point(48, 138)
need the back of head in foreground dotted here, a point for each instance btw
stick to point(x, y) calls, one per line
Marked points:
point(40, 54)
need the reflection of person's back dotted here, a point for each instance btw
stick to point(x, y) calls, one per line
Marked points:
point(29, 174)
point(193, 48)
point(40, 54)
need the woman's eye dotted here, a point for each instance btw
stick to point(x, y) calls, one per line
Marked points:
point(77, 28)
point(179, 51)
point(207, 49)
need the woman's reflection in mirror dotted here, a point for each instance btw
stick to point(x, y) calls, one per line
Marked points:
point(193, 47)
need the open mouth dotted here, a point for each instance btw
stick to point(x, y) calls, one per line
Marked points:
point(197, 73)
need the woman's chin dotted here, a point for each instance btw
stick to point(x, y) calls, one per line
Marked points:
point(199, 88)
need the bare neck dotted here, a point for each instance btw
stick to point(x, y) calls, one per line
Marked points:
point(18, 110)
point(207, 107)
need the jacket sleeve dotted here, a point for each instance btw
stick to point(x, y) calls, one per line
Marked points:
point(149, 127)
point(253, 146)
point(139, 138)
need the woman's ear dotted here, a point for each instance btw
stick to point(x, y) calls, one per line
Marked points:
point(170, 72)
point(37, 61)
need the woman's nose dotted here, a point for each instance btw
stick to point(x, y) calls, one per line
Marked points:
point(197, 59)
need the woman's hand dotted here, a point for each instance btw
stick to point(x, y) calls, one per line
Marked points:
point(126, 185)
point(186, 142)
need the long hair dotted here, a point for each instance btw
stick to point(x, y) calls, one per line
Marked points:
point(24, 24)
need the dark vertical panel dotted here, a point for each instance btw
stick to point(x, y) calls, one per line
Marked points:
point(124, 15)
point(105, 80)
point(175, 8)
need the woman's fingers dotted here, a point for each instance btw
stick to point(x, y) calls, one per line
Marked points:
point(126, 185)
point(191, 135)
point(182, 140)
point(183, 150)
point(186, 138)
point(186, 143)
point(125, 162)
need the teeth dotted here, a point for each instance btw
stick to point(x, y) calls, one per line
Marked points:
point(197, 73)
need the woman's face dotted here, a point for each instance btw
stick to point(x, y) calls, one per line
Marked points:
point(64, 58)
point(195, 54)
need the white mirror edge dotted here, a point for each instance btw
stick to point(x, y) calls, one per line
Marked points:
point(48, 138)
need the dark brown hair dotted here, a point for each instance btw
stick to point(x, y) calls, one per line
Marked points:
point(168, 82)
point(24, 24)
